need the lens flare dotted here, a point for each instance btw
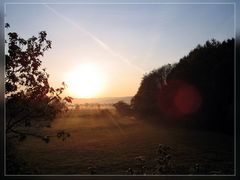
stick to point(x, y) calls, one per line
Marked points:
point(179, 98)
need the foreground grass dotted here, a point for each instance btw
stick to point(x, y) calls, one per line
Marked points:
point(103, 143)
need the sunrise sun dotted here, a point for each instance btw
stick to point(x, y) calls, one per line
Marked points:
point(85, 81)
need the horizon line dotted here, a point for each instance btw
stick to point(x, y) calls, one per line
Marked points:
point(101, 97)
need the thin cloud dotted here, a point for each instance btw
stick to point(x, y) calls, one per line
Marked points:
point(97, 40)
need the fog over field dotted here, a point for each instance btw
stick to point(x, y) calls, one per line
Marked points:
point(107, 100)
point(102, 142)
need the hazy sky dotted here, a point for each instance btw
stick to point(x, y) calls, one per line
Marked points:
point(122, 41)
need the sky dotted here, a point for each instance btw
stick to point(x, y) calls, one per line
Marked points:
point(118, 43)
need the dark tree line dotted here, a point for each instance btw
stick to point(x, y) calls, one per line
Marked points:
point(198, 91)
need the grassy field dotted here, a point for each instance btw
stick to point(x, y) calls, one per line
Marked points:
point(103, 143)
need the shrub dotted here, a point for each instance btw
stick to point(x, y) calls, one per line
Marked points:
point(123, 108)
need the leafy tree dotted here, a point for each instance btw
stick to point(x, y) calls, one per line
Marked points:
point(31, 103)
point(30, 100)
point(145, 102)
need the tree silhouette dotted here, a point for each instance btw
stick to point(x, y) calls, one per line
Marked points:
point(31, 103)
point(199, 89)
point(122, 108)
point(145, 102)
point(30, 100)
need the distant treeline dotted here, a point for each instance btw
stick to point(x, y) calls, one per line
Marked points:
point(90, 105)
point(197, 92)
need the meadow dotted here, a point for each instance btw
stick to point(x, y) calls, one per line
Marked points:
point(102, 142)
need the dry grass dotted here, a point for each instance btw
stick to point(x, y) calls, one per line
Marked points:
point(103, 143)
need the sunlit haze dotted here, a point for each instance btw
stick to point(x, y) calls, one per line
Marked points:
point(103, 50)
point(86, 80)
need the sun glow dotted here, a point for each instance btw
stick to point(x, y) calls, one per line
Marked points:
point(85, 81)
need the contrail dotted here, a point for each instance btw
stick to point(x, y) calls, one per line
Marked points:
point(97, 40)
